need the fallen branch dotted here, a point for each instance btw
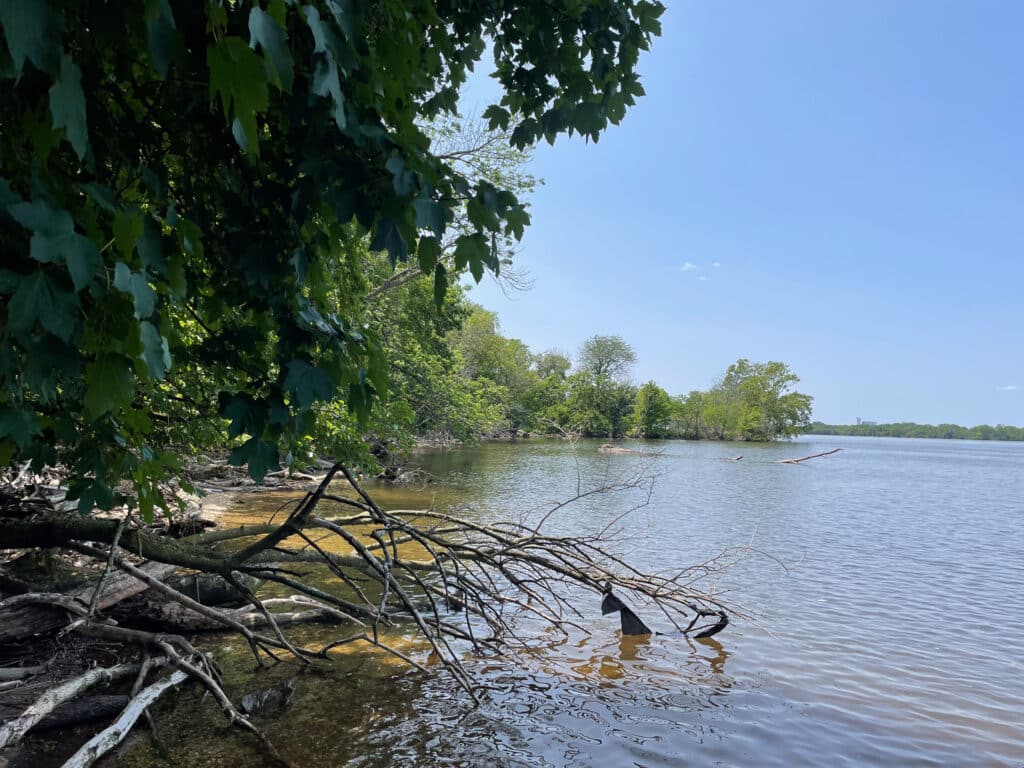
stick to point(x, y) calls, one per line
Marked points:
point(807, 458)
point(114, 734)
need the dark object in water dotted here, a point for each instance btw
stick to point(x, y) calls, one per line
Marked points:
point(263, 702)
point(631, 624)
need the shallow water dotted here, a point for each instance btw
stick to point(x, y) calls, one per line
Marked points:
point(890, 621)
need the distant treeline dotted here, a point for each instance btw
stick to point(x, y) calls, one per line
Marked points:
point(909, 429)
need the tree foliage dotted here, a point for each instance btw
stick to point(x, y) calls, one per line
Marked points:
point(606, 356)
point(752, 401)
point(188, 189)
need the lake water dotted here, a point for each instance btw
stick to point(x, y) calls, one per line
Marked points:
point(889, 629)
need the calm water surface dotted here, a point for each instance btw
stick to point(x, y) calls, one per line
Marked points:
point(893, 636)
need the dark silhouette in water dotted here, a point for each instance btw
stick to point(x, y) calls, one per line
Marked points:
point(632, 625)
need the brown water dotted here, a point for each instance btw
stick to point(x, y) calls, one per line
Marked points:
point(895, 638)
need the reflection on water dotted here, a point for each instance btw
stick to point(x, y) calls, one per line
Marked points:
point(897, 638)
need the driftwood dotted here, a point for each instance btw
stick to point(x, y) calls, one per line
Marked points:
point(812, 456)
point(114, 734)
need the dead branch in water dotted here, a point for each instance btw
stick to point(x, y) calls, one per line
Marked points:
point(807, 458)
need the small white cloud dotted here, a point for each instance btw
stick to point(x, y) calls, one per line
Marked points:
point(687, 266)
point(1008, 388)
point(715, 264)
point(702, 278)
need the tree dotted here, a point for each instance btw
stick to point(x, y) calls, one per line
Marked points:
point(653, 411)
point(180, 179)
point(552, 363)
point(188, 192)
point(606, 356)
point(596, 406)
point(754, 401)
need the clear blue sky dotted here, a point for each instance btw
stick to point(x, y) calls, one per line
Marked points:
point(836, 185)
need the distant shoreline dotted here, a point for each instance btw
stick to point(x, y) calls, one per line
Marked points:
point(999, 433)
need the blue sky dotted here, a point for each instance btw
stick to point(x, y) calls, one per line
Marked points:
point(839, 186)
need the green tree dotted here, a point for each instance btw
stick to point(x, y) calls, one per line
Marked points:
point(187, 190)
point(754, 401)
point(653, 412)
point(506, 363)
point(606, 356)
point(596, 406)
point(552, 363)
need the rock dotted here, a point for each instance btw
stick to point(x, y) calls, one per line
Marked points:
point(269, 701)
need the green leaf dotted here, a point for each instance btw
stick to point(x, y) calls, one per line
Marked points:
point(109, 385)
point(440, 284)
point(67, 105)
point(151, 247)
point(32, 31)
point(271, 37)
point(238, 76)
point(19, 425)
point(38, 299)
point(326, 83)
point(430, 215)
point(307, 383)
point(497, 117)
point(247, 416)
point(481, 216)
point(159, 34)
point(155, 352)
point(360, 398)
point(325, 40)
point(40, 216)
point(403, 179)
point(389, 238)
point(472, 250)
point(427, 253)
point(101, 195)
point(258, 454)
point(137, 285)
point(83, 259)
point(127, 231)
point(344, 15)
point(94, 494)
point(176, 276)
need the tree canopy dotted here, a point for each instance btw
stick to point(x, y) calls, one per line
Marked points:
point(188, 191)
point(606, 356)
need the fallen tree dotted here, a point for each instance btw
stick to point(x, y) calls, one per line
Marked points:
point(460, 584)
